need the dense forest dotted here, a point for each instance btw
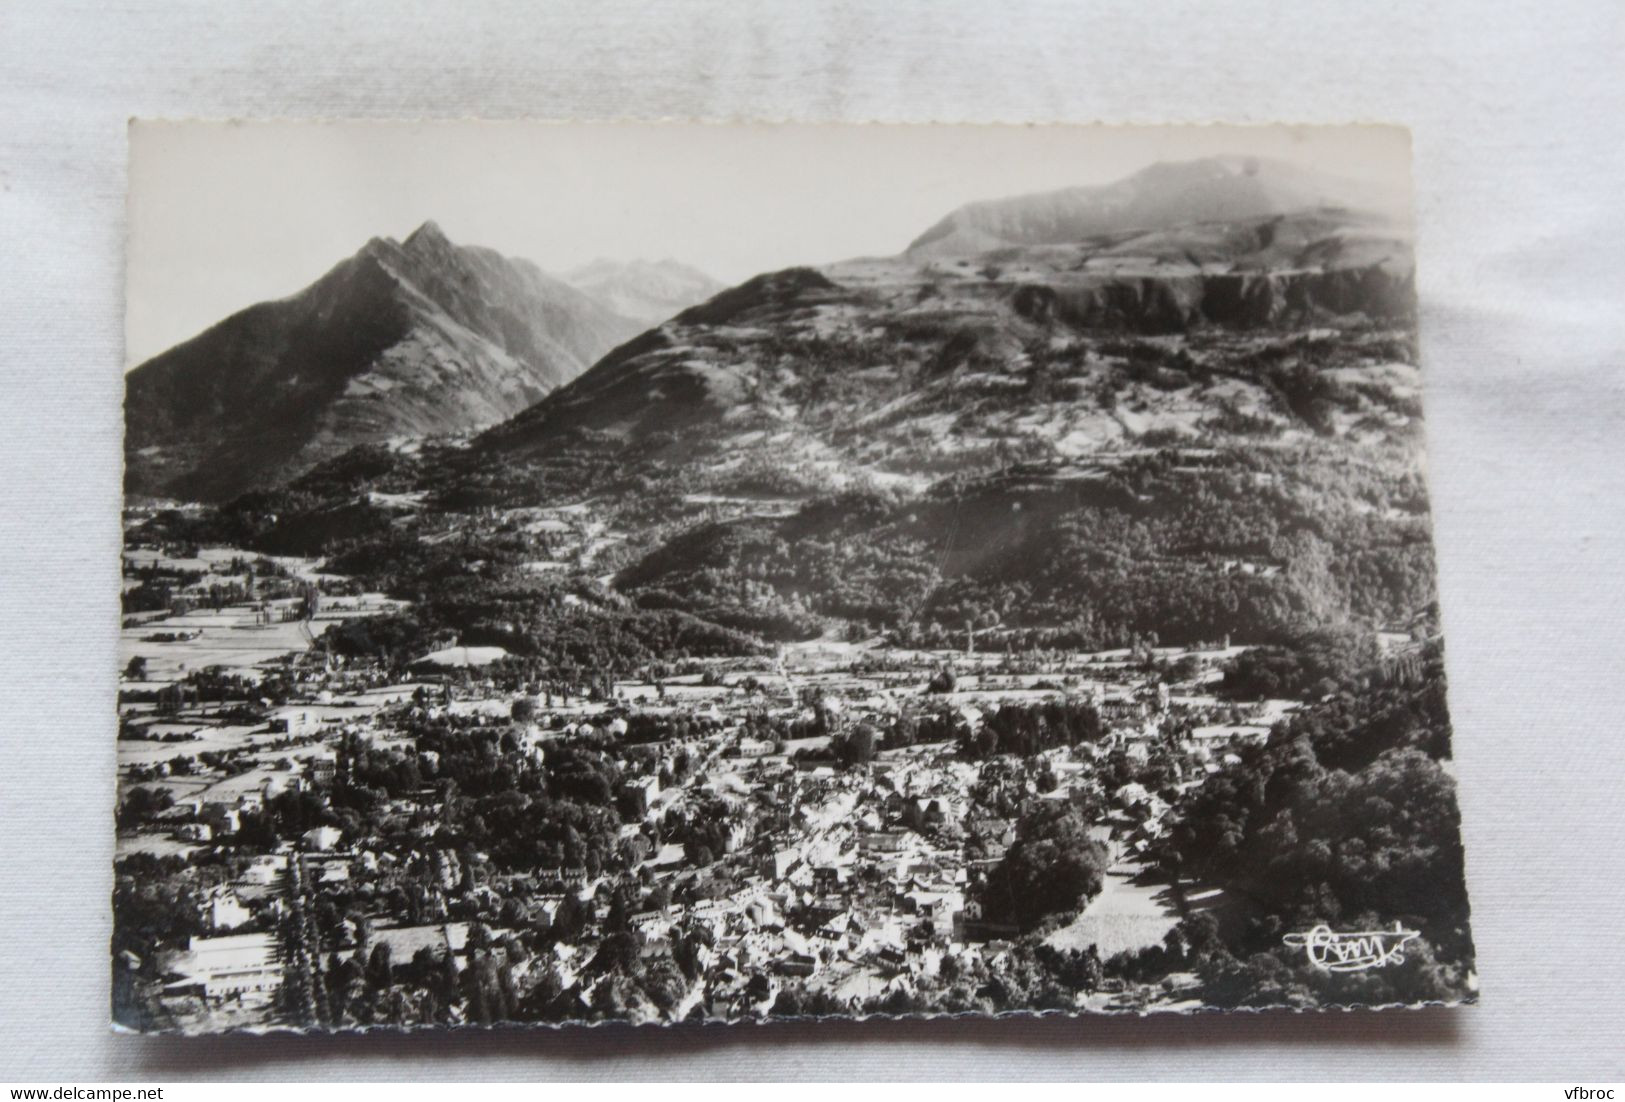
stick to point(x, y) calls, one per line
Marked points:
point(1347, 816)
point(1257, 547)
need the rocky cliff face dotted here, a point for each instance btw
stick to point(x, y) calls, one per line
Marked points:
point(403, 339)
point(1243, 300)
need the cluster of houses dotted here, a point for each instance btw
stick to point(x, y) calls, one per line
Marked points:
point(852, 881)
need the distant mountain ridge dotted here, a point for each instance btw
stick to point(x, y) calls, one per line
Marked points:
point(884, 342)
point(647, 290)
point(404, 339)
point(1159, 197)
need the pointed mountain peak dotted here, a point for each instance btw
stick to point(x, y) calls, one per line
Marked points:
point(425, 237)
point(404, 339)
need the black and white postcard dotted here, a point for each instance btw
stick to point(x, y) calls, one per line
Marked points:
point(668, 573)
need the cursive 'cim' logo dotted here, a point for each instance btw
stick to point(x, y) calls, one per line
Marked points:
point(1353, 951)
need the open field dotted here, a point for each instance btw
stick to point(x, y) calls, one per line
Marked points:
point(1133, 911)
point(229, 638)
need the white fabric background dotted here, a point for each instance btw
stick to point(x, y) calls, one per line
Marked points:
point(1518, 122)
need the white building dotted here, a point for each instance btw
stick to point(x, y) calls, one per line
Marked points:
point(321, 838)
point(224, 911)
point(233, 966)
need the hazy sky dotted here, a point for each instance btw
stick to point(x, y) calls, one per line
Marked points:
point(223, 215)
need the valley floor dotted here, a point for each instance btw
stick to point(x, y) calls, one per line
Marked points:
point(759, 861)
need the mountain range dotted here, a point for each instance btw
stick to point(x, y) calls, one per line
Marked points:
point(1090, 430)
point(936, 357)
point(404, 340)
point(923, 352)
